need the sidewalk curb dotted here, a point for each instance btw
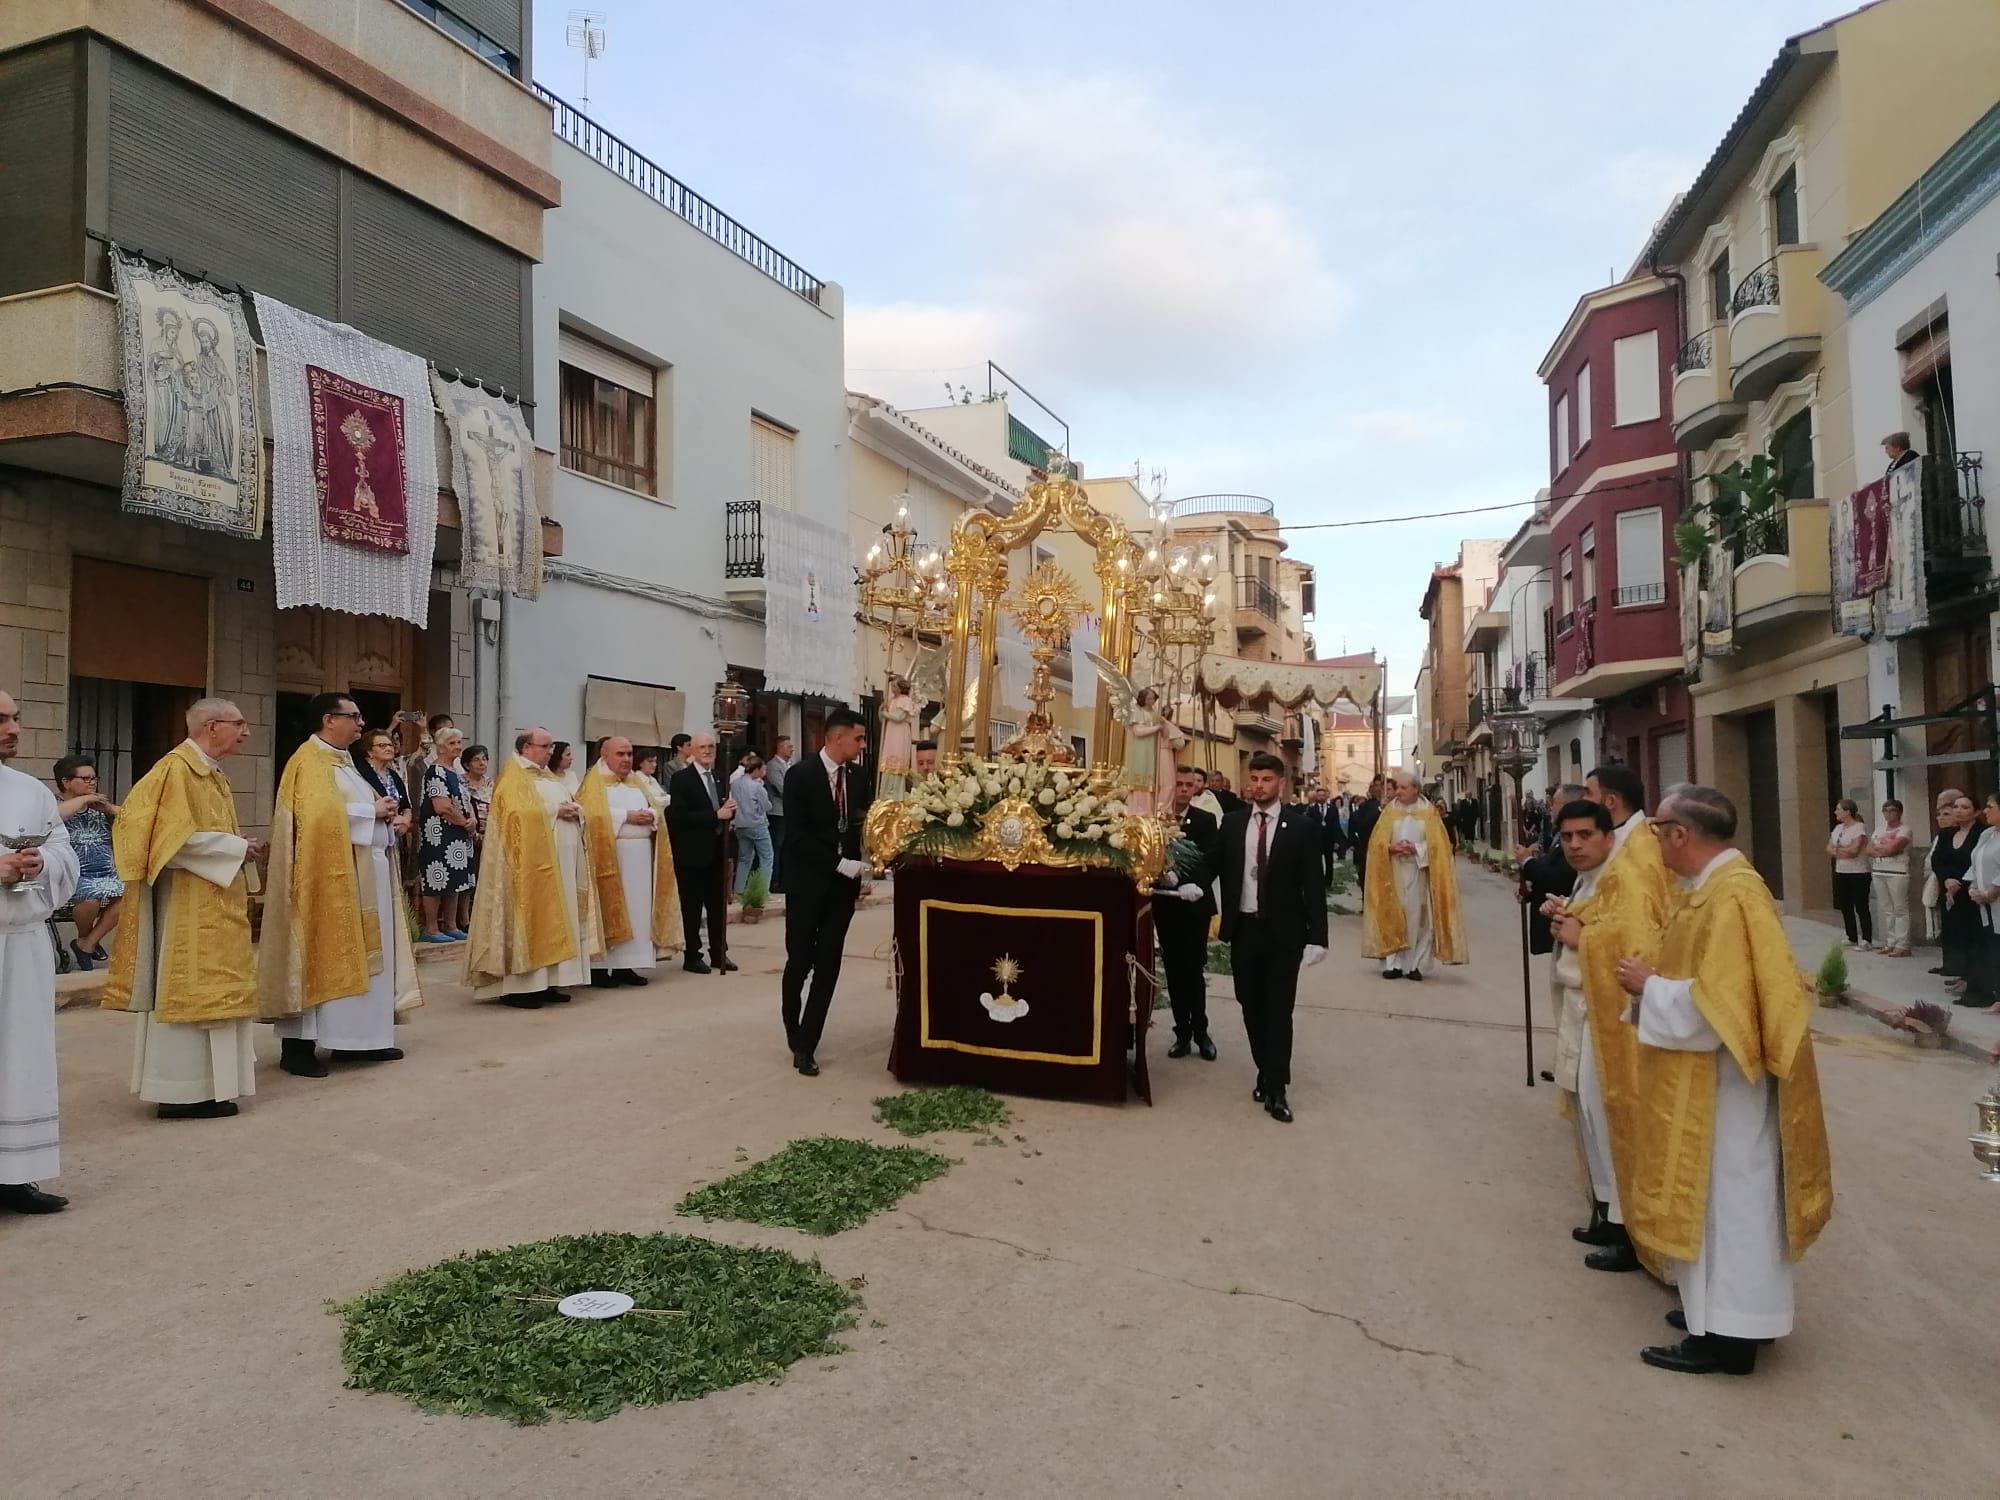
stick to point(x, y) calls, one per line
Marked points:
point(1878, 1009)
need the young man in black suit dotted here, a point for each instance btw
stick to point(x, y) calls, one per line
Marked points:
point(1361, 828)
point(699, 809)
point(826, 799)
point(1182, 907)
point(1273, 918)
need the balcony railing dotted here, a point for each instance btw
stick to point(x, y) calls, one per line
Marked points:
point(1763, 536)
point(1565, 623)
point(1642, 593)
point(1698, 353)
point(1954, 507)
point(1259, 597)
point(742, 539)
point(1530, 676)
point(609, 152)
point(1758, 289)
point(1209, 505)
point(1482, 703)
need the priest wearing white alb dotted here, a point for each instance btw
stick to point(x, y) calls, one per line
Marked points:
point(1732, 1182)
point(34, 882)
point(631, 867)
point(335, 967)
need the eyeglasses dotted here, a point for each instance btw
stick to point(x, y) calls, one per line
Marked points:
point(1656, 824)
point(342, 713)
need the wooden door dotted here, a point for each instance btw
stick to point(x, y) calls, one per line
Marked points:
point(1767, 842)
point(368, 657)
point(1957, 665)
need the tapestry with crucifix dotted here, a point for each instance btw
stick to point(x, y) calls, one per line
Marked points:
point(492, 473)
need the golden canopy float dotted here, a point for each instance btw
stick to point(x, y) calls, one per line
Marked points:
point(1232, 683)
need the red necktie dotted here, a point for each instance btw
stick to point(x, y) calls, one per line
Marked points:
point(840, 794)
point(1262, 820)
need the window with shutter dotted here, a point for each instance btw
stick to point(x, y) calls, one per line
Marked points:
point(1635, 379)
point(773, 475)
point(609, 426)
point(1583, 408)
point(1588, 546)
point(1641, 560)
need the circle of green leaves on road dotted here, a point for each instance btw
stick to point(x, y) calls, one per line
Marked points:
point(952, 1106)
point(479, 1334)
point(822, 1185)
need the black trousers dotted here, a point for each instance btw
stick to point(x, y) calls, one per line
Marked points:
point(777, 853)
point(1267, 987)
point(701, 894)
point(1183, 938)
point(816, 918)
point(1851, 894)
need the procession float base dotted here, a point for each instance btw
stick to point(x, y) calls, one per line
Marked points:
point(1021, 980)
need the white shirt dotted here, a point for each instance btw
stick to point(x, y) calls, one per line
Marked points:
point(833, 768)
point(1893, 864)
point(1852, 837)
point(1252, 894)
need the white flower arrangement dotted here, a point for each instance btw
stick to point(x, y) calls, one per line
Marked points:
point(1059, 793)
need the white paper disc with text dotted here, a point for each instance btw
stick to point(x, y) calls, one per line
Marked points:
point(595, 1305)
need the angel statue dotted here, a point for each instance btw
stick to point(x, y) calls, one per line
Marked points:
point(899, 724)
point(1151, 738)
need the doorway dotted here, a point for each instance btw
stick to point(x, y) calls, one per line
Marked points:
point(1767, 842)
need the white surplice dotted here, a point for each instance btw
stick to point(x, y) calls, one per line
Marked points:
point(1413, 890)
point(1576, 1063)
point(365, 1022)
point(28, 1127)
point(635, 873)
point(575, 969)
point(1741, 1284)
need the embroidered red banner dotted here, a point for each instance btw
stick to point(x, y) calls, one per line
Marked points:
point(358, 461)
point(1871, 537)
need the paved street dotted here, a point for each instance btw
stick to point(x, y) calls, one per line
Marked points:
point(1381, 1300)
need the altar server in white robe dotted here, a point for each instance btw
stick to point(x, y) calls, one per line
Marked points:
point(34, 881)
point(335, 968)
point(183, 962)
point(1732, 1181)
point(632, 868)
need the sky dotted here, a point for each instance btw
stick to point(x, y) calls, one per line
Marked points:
point(1313, 252)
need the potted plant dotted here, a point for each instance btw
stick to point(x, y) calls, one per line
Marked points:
point(1926, 1021)
point(756, 894)
point(1831, 981)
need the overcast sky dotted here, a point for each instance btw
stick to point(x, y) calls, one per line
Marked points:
point(1310, 251)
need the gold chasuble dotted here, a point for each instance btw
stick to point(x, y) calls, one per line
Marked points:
point(1725, 935)
point(1385, 930)
point(600, 840)
point(520, 920)
point(1622, 917)
point(204, 971)
point(322, 932)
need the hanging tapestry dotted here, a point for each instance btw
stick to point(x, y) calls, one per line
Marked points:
point(809, 606)
point(1859, 539)
point(1905, 602)
point(354, 491)
point(493, 474)
point(194, 450)
point(1718, 601)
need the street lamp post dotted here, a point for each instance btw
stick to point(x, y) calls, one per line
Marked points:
point(1517, 735)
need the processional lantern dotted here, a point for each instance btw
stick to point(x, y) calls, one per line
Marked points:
point(1173, 613)
point(1517, 735)
point(729, 711)
point(902, 587)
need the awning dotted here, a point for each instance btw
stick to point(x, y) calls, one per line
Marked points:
point(1235, 683)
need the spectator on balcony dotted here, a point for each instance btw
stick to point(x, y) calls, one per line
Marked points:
point(1898, 450)
point(1848, 847)
point(1890, 867)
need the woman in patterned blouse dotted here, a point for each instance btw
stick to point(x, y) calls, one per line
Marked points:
point(446, 861)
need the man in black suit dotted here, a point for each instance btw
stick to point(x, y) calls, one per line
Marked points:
point(1273, 918)
point(1361, 828)
point(826, 800)
point(1218, 787)
point(1182, 907)
point(1545, 872)
point(699, 810)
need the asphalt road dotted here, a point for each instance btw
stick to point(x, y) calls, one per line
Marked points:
point(1380, 1300)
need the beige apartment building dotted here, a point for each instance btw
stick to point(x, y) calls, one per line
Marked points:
point(1844, 119)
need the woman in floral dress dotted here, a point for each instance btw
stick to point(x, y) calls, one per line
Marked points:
point(446, 858)
point(87, 814)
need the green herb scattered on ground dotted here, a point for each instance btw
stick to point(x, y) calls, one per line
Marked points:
point(1218, 961)
point(480, 1334)
point(952, 1107)
point(822, 1185)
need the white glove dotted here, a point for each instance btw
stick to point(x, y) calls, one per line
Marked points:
point(1189, 892)
point(853, 869)
point(1314, 953)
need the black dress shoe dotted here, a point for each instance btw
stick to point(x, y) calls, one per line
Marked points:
point(372, 1054)
point(299, 1056)
point(631, 978)
point(208, 1109)
point(1181, 1047)
point(695, 966)
point(1704, 1354)
point(603, 979)
point(726, 966)
point(1204, 1046)
point(1277, 1108)
point(554, 996)
point(1257, 1094)
point(522, 1002)
point(1392, 973)
point(26, 1198)
point(1600, 1230)
point(1614, 1257)
point(803, 1061)
point(1414, 974)
point(1677, 1319)
point(1938, 970)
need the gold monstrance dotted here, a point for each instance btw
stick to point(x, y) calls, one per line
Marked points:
point(1043, 606)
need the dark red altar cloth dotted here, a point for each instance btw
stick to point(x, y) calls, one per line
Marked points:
point(1063, 1027)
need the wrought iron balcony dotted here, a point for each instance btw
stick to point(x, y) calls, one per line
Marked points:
point(1258, 597)
point(1529, 676)
point(1642, 593)
point(742, 540)
point(1698, 353)
point(1954, 507)
point(1565, 623)
point(1763, 536)
point(1758, 289)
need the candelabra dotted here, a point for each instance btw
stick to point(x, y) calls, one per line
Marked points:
point(1172, 590)
point(903, 589)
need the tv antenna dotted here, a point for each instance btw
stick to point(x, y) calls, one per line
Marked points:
point(586, 33)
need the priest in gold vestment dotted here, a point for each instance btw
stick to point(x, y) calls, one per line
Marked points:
point(1615, 911)
point(1731, 1181)
point(631, 868)
point(335, 967)
point(534, 922)
point(183, 960)
point(1410, 912)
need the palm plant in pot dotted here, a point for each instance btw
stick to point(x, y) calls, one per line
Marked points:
point(756, 895)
